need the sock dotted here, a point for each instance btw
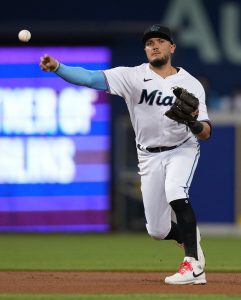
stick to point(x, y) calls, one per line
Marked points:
point(174, 234)
point(186, 221)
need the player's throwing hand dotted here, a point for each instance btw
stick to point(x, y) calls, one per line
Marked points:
point(48, 63)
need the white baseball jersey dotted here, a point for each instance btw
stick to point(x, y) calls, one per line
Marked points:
point(148, 96)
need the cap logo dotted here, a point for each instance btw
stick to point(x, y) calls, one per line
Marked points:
point(155, 28)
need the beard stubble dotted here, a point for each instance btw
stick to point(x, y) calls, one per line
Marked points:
point(159, 62)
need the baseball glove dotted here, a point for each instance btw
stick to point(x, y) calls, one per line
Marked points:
point(185, 108)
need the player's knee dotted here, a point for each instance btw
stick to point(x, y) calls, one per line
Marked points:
point(157, 234)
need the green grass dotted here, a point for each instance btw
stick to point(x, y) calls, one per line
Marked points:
point(121, 297)
point(116, 252)
point(125, 252)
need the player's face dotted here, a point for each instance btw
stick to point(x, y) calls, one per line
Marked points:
point(159, 51)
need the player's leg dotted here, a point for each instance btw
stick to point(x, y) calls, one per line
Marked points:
point(179, 240)
point(157, 209)
point(180, 166)
point(186, 221)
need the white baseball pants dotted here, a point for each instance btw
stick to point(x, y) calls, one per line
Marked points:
point(165, 176)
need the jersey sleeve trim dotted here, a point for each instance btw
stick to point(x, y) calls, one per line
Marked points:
point(107, 83)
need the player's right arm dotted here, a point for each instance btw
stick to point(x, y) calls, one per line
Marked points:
point(75, 75)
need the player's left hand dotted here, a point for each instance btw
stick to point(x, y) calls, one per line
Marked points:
point(185, 108)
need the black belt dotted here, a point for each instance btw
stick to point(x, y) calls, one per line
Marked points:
point(161, 149)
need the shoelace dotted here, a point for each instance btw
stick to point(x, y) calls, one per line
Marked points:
point(184, 267)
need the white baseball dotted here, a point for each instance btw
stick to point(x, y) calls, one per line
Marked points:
point(24, 35)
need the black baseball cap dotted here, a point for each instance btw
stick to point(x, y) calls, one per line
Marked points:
point(157, 30)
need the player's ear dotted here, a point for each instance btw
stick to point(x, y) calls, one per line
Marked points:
point(173, 48)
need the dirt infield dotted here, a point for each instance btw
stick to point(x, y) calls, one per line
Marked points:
point(112, 282)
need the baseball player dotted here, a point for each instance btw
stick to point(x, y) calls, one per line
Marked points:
point(168, 113)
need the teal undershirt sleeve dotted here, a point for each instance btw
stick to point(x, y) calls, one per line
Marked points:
point(83, 77)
